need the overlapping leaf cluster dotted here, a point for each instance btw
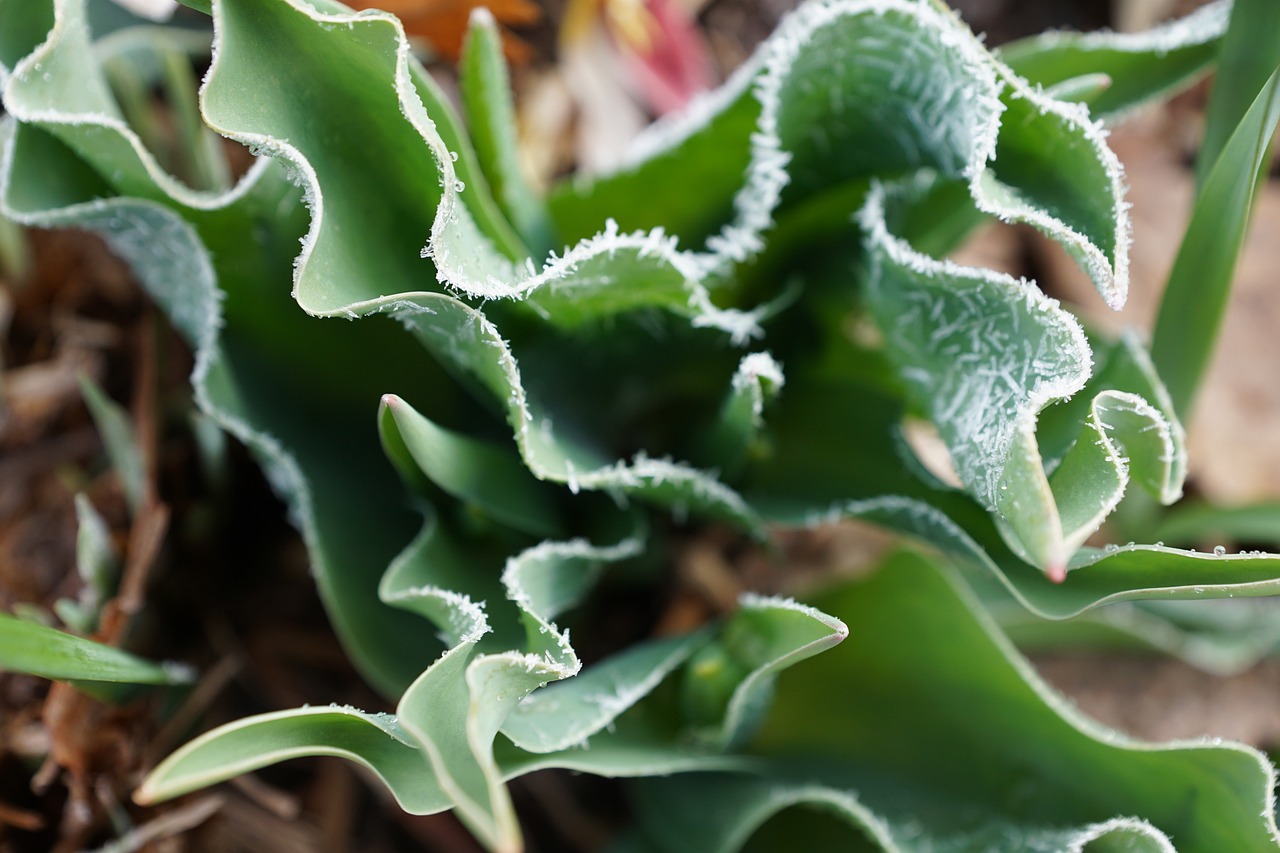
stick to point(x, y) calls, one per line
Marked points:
point(731, 328)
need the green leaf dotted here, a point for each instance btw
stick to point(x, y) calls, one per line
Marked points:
point(49, 653)
point(1196, 294)
point(1195, 523)
point(98, 565)
point(729, 683)
point(1096, 576)
point(470, 470)
point(1248, 54)
point(982, 354)
point(122, 447)
point(890, 79)
point(1223, 637)
point(458, 706)
point(737, 431)
point(472, 346)
point(1138, 67)
point(379, 187)
point(491, 118)
point(870, 729)
point(567, 714)
point(374, 740)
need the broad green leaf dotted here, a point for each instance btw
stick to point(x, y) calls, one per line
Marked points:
point(873, 723)
point(491, 119)
point(39, 650)
point(767, 811)
point(378, 213)
point(378, 187)
point(1196, 294)
point(1137, 67)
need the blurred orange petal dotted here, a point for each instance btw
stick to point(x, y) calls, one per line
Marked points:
point(444, 23)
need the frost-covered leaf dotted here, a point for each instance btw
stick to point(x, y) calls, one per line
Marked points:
point(893, 78)
point(982, 354)
point(375, 196)
point(468, 469)
point(868, 732)
point(1136, 67)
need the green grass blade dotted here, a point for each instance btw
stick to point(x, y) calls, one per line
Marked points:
point(1200, 282)
point(1250, 51)
point(118, 437)
point(50, 653)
